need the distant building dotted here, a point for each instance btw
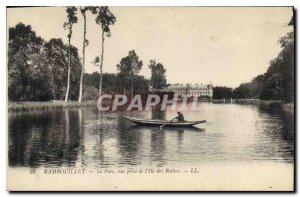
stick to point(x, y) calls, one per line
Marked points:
point(190, 90)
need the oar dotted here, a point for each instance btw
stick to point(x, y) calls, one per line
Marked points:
point(164, 124)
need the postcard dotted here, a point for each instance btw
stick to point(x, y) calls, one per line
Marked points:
point(104, 98)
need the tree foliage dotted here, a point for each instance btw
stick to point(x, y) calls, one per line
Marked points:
point(24, 47)
point(36, 68)
point(105, 18)
point(222, 92)
point(113, 83)
point(71, 19)
point(129, 67)
point(278, 82)
point(158, 75)
point(279, 79)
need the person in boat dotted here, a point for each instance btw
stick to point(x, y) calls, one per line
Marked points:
point(179, 117)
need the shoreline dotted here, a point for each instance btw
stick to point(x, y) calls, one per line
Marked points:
point(52, 105)
point(47, 105)
point(286, 107)
point(248, 101)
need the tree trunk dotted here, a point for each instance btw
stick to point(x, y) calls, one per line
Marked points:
point(69, 71)
point(101, 64)
point(124, 91)
point(67, 129)
point(131, 87)
point(155, 85)
point(83, 60)
point(52, 80)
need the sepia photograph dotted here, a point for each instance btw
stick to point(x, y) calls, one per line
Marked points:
point(152, 98)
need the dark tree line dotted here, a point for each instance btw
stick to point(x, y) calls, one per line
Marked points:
point(277, 83)
point(40, 70)
point(222, 92)
point(27, 91)
point(112, 84)
point(37, 70)
point(127, 81)
point(249, 90)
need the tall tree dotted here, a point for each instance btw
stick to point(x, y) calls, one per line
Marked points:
point(75, 73)
point(129, 67)
point(57, 60)
point(83, 11)
point(158, 75)
point(23, 46)
point(104, 18)
point(71, 19)
point(37, 70)
point(278, 82)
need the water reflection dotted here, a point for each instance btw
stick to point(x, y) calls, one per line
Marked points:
point(43, 139)
point(156, 113)
point(158, 146)
point(278, 126)
point(129, 142)
point(87, 138)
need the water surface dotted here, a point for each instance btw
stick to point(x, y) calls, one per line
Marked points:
point(86, 138)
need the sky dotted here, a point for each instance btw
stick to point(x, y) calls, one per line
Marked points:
point(222, 45)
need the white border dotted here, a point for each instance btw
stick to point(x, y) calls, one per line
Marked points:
point(153, 2)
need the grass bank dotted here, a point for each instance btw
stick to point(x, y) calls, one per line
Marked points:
point(287, 107)
point(247, 101)
point(50, 105)
point(257, 101)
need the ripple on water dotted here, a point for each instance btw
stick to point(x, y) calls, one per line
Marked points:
point(85, 137)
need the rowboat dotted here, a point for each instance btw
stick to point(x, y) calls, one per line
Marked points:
point(137, 127)
point(153, 122)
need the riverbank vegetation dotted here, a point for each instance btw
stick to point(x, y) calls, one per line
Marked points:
point(45, 70)
point(42, 70)
point(47, 105)
point(277, 83)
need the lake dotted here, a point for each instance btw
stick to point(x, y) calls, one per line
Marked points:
point(84, 137)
